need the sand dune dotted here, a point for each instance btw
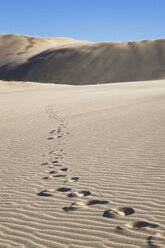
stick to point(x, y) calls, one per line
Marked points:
point(67, 61)
point(17, 49)
point(111, 152)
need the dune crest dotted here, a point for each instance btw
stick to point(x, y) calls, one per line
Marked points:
point(67, 61)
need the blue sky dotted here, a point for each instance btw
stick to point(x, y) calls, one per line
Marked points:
point(93, 20)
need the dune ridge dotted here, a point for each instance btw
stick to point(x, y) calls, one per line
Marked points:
point(67, 61)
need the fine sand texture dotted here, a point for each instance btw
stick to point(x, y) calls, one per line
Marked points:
point(67, 61)
point(82, 167)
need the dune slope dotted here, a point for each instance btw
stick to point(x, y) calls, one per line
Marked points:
point(60, 60)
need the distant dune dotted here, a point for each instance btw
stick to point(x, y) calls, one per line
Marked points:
point(67, 61)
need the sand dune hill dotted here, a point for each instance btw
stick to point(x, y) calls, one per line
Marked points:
point(67, 61)
point(16, 49)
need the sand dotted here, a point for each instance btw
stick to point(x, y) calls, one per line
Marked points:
point(67, 61)
point(82, 166)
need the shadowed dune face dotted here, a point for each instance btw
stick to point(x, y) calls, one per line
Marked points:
point(17, 49)
point(82, 62)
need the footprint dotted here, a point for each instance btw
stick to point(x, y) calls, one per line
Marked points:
point(109, 214)
point(53, 152)
point(50, 138)
point(141, 224)
point(62, 189)
point(53, 176)
point(123, 211)
point(46, 163)
point(51, 192)
point(59, 175)
point(64, 169)
point(48, 177)
point(52, 131)
point(59, 157)
point(74, 206)
point(61, 170)
point(56, 151)
point(54, 165)
point(63, 125)
point(55, 162)
point(94, 202)
point(119, 229)
point(81, 193)
point(52, 172)
point(81, 204)
point(72, 179)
